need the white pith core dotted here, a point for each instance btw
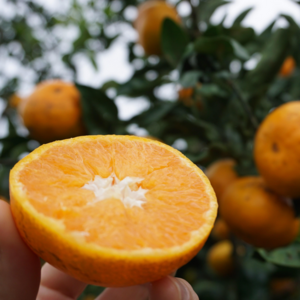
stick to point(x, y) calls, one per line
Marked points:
point(112, 187)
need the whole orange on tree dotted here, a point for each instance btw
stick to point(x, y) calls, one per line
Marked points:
point(220, 258)
point(257, 215)
point(185, 95)
point(287, 67)
point(148, 24)
point(53, 111)
point(221, 174)
point(277, 149)
point(221, 230)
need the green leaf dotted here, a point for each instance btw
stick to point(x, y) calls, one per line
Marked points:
point(9, 143)
point(220, 45)
point(190, 78)
point(242, 16)
point(4, 181)
point(91, 56)
point(291, 21)
point(211, 90)
point(209, 129)
point(100, 113)
point(295, 86)
point(288, 256)
point(91, 290)
point(239, 50)
point(276, 49)
point(155, 113)
point(197, 157)
point(206, 8)
point(110, 84)
point(243, 35)
point(19, 149)
point(12, 131)
point(173, 41)
point(266, 34)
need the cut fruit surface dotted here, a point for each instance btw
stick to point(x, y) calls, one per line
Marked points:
point(112, 210)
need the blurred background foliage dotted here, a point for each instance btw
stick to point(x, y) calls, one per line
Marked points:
point(225, 104)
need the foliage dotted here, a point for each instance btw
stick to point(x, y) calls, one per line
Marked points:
point(235, 99)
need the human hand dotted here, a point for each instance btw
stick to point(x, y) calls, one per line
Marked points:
point(22, 278)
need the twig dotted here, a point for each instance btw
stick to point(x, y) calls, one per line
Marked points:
point(194, 16)
point(245, 104)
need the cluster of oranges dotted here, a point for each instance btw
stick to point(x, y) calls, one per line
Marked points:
point(53, 110)
point(258, 209)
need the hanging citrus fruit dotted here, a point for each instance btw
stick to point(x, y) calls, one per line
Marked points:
point(148, 24)
point(257, 215)
point(185, 95)
point(112, 210)
point(220, 258)
point(221, 174)
point(287, 67)
point(277, 149)
point(221, 230)
point(52, 111)
point(14, 100)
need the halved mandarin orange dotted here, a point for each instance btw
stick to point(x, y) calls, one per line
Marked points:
point(112, 210)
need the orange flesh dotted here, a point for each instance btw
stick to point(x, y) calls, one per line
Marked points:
point(176, 198)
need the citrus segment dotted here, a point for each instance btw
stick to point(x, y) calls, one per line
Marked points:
point(112, 210)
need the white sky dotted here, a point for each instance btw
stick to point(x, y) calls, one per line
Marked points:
point(113, 65)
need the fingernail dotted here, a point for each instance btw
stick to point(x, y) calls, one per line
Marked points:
point(182, 289)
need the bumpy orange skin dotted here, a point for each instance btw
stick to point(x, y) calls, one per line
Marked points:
point(148, 24)
point(277, 149)
point(220, 259)
point(287, 67)
point(221, 174)
point(257, 215)
point(98, 265)
point(53, 112)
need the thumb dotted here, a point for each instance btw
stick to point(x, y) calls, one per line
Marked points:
point(19, 266)
point(170, 288)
